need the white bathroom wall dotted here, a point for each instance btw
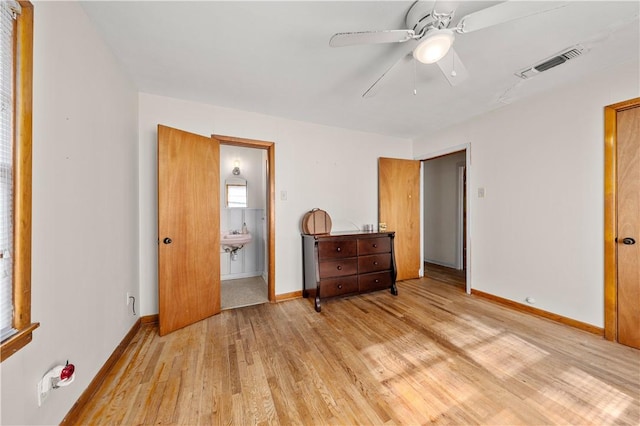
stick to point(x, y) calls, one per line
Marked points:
point(538, 231)
point(85, 213)
point(249, 260)
point(251, 169)
point(440, 199)
point(315, 166)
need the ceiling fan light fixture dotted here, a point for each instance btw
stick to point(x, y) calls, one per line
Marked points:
point(433, 48)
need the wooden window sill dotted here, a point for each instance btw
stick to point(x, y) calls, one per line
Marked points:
point(16, 342)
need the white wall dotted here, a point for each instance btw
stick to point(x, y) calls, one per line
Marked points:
point(539, 230)
point(317, 166)
point(251, 169)
point(85, 210)
point(440, 199)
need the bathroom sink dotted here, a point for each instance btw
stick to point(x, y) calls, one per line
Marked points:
point(234, 241)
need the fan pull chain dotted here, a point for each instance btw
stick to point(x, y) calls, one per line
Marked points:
point(453, 65)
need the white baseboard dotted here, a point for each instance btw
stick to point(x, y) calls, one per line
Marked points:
point(445, 264)
point(240, 275)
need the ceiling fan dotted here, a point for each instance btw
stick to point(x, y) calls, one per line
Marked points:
point(429, 37)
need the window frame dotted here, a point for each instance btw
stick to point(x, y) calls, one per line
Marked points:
point(234, 198)
point(23, 118)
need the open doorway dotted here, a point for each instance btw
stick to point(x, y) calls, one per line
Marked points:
point(246, 205)
point(243, 230)
point(444, 218)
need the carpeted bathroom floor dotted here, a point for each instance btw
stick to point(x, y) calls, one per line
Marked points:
point(243, 292)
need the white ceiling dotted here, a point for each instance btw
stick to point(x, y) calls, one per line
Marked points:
point(274, 58)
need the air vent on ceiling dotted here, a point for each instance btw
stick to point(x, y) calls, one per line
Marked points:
point(554, 61)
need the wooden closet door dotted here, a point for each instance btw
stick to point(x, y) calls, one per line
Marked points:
point(188, 228)
point(399, 209)
point(628, 232)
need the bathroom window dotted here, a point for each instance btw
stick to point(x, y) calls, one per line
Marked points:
point(16, 25)
point(236, 195)
point(236, 191)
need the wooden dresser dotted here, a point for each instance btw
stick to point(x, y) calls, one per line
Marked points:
point(344, 263)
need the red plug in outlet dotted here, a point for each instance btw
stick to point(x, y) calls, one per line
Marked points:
point(67, 371)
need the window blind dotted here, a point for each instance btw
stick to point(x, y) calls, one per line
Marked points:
point(8, 11)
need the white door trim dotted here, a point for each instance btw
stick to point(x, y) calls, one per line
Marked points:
point(460, 213)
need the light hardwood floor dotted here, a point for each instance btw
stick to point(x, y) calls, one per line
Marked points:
point(430, 355)
point(446, 275)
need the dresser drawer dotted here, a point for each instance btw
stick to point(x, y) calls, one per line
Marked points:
point(376, 281)
point(338, 268)
point(346, 263)
point(337, 286)
point(374, 245)
point(336, 249)
point(374, 263)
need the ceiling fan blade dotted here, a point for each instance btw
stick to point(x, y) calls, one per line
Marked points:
point(504, 12)
point(452, 67)
point(373, 89)
point(371, 37)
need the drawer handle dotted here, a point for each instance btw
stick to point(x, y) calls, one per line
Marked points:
point(375, 246)
point(375, 263)
point(377, 281)
point(339, 249)
point(339, 268)
point(339, 286)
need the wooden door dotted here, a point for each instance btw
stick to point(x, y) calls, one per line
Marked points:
point(399, 209)
point(628, 232)
point(188, 228)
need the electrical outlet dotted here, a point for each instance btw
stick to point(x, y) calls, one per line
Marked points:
point(128, 298)
point(43, 392)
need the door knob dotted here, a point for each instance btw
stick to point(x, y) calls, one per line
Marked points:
point(167, 240)
point(628, 241)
